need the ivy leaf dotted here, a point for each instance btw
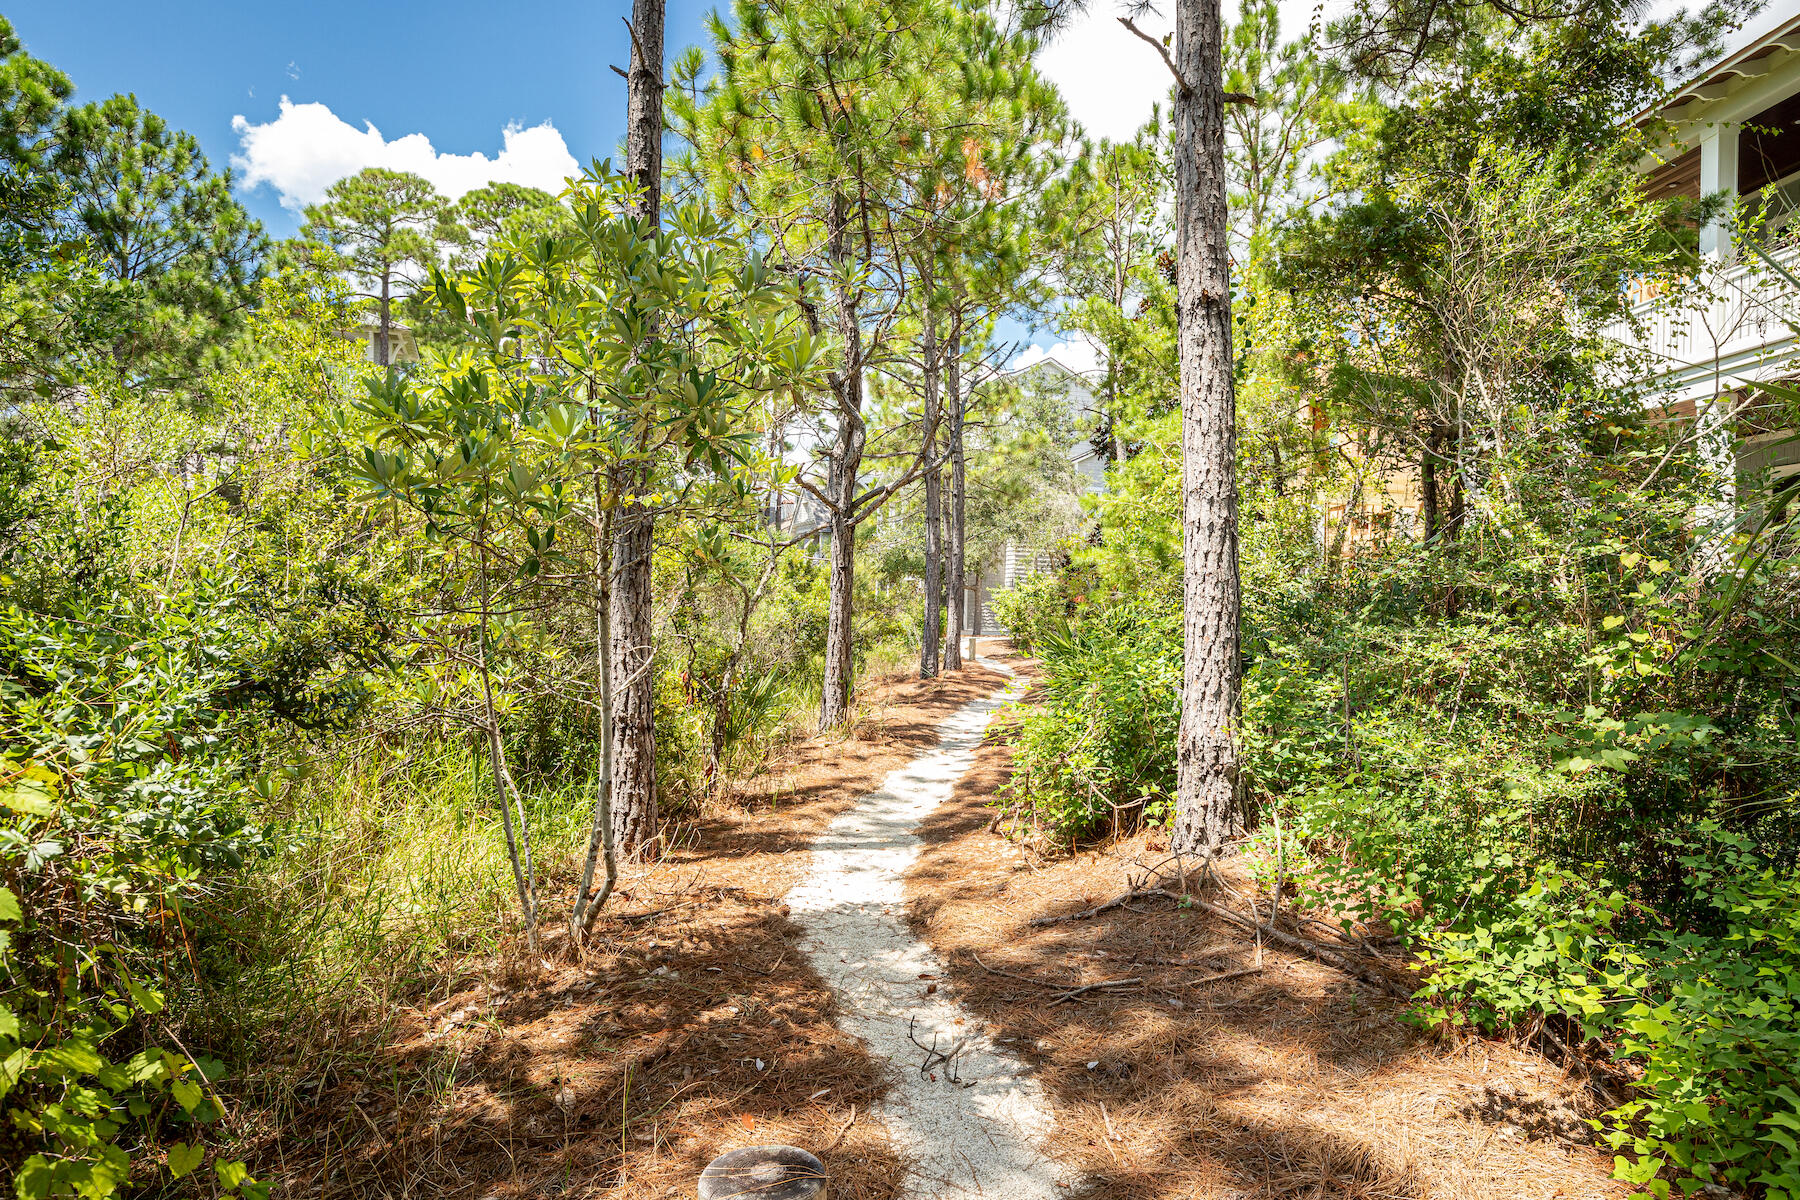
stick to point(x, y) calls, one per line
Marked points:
point(9, 906)
point(29, 798)
point(183, 1158)
point(143, 997)
point(187, 1093)
point(231, 1172)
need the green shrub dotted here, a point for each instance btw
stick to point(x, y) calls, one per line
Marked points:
point(1711, 1014)
point(1098, 752)
point(1039, 607)
point(126, 793)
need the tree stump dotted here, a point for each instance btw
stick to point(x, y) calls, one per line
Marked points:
point(764, 1173)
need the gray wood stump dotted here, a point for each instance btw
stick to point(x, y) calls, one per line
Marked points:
point(764, 1173)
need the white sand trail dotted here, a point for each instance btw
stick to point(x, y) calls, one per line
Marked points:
point(974, 1129)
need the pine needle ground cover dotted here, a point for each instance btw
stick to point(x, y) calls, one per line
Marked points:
point(1201, 1081)
point(690, 1026)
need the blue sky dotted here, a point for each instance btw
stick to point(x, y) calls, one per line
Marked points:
point(442, 83)
point(457, 72)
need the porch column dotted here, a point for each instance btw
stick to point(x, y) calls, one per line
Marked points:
point(1719, 173)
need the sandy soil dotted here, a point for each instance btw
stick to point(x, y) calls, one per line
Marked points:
point(1296, 1081)
point(965, 1112)
point(693, 1025)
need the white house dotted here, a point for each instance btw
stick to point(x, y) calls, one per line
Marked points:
point(403, 347)
point(1018, 562)
point(1704, 346)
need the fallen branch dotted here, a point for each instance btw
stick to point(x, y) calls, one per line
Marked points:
point(1064, 991)
point(1293, 941)
point(1224, 975)
point(1192, 960)
point(655, 912)
point(1089, 987)
point(840, 1133)
point(1116, 902)
point(1306, 946)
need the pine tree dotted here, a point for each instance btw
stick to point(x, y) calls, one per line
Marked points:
point(813, 108)
point(165, 227)
point(1267, 143)
point(1206, 805)
point(486, 213)
point(1111, 228)
point(385, 229)
point(634, 808)
point(980, 187)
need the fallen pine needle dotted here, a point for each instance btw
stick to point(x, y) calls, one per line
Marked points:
point(1066, 992)
point(840, 1133)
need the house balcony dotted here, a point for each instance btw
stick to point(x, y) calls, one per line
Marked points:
point(1734, 325)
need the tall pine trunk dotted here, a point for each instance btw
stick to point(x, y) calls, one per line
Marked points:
point(384, 327)
point(958, 588)
point(1207, 810)
point(634, 729)
point(840, 488)
point(931, 634)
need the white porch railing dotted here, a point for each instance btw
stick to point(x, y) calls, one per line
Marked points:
point(1739, 323)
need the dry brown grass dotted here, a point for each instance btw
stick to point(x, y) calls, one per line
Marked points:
point(623, 1074)
point(1294, 1082)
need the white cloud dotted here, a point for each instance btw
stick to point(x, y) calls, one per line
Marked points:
point(1110, 78)
point(1078, 354)
point(307, 148)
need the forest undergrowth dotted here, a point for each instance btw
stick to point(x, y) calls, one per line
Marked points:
point(429, 641)
point(417, 1048)
point(1207, 1062)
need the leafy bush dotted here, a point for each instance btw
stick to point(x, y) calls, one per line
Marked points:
point(1035, 610)
point(126, 790)
point(1098, 752)
point(136, 751)
point(1712, 1013)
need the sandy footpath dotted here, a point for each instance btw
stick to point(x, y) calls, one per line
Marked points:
point(967, 1113)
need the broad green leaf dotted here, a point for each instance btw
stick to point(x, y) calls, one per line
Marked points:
point(187, 1093)
point(184, 1159)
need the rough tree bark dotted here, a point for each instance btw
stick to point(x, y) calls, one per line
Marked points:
point(384, 327)
point(840, 487)
point(634, 730)
point(1207, 810)
point(931, 633)
point(953, 660)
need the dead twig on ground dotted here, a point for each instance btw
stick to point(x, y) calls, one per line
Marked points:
point(1307, 946)
point(655, 912)
point(1222, 976)
point(1087, 914)
point(934, 1056)
point(1064, 992)
point(1072, 993)
point(838, 1140)
point(1111, 1136)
